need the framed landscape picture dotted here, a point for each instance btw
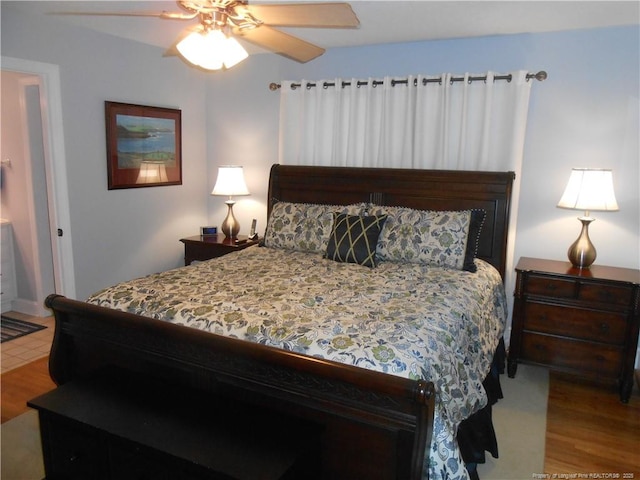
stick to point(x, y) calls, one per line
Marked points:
point(144, 146)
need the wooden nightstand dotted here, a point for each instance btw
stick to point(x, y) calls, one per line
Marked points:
point(211, 246)
point(583, 322)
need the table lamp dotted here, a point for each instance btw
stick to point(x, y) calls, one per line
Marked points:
point(230, 182)
point(588, 189)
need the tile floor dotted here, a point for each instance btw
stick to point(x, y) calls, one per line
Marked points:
point(22, 350)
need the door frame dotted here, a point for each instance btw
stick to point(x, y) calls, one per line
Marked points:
point(55, 168)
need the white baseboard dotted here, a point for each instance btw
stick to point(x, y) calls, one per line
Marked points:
point(30, 307)
point(6, 306)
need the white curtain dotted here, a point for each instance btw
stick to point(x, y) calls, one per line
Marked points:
point(439, 124)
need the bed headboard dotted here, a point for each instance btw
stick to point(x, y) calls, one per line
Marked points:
point(420, 189)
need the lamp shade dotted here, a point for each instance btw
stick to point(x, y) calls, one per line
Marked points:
point(211, 50)
point(230, 182)
point(152, 172)
point(589, 189)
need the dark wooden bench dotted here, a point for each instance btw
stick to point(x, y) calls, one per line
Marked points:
point(120, 426)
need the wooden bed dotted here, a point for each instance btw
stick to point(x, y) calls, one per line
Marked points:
point(374, 425)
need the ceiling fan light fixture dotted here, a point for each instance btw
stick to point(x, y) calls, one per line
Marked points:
point(234, 53)
point(211, 50)
point(221, 20)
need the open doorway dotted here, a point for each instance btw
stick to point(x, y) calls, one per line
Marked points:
point(24, 194)
point(34, 189)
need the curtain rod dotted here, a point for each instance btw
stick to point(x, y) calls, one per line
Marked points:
point(540, 76)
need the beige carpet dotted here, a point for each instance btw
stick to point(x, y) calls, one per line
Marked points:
point(21, 451)
point(520, 421)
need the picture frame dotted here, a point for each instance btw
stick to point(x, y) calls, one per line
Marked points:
point(144, 145)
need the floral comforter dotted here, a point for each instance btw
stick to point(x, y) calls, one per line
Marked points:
point(408, 320)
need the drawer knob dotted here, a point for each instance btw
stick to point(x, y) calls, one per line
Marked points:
point(606, 295)
point(551, 287)
point(604, 327)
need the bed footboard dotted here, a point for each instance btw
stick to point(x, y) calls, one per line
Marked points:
point(375, 426)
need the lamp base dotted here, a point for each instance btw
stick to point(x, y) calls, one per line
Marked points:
point(230, 226)
point(582, 253)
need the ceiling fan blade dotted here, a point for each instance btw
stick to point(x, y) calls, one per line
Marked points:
point(281, 43)
point(178, 15)
point(164, 14)
point(311, 15)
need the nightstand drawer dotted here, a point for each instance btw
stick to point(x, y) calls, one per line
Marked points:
point(587, 358)
point(203, 251)
point(574, 322)
point(609, 294)
point(551, 287)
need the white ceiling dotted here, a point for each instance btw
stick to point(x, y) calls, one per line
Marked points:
point(380, 21)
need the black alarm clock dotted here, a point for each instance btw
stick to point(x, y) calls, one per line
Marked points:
point(208, 231)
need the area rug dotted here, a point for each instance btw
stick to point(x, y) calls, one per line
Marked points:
point(520, 421)
point(21, 451)
point(12, 328)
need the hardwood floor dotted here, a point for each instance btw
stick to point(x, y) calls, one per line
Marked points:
point(22, 384)
point(589, 431)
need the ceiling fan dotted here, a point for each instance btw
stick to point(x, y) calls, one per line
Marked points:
point(211, 44)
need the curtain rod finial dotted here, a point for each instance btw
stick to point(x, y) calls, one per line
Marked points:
point(541, 75)
point(274, 86)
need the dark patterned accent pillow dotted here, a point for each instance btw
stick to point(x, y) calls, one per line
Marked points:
point(354, 238)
